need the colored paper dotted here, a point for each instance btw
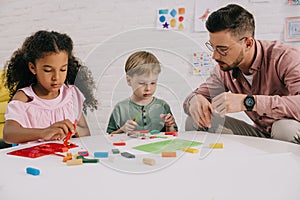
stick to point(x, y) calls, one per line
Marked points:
point(167, 146)
point(41, 150)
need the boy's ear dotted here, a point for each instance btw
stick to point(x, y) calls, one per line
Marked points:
point(128, 79)
point(32, 68)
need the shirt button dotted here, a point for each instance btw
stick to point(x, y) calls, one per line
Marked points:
point(145, 124)
point(265, 114)
point(260, 118)
point(144, 117)
point(144, 110)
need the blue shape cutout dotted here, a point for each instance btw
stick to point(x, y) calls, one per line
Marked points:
point(173, 13)
point(162, 19)
point(165, 25)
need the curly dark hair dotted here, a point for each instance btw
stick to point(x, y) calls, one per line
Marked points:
point(39, 45)
point(234, 18)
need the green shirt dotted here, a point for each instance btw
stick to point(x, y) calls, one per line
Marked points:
point(148, 119)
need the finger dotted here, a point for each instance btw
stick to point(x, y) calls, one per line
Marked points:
point(197, 120)
point(162, 117)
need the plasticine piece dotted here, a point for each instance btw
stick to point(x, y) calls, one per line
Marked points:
point(154, 132)
point(67, 157)
point(64, 149)
point(152, 137)
point(216, 145)
point(127, 155)
point(174, 133)
point(168, 154)
point(149, 161)
point(87, 160)
point(160, 136)
point(190, 150)
point(115, 151)
point(100, 154)
point(32, 171)
point(83, 153)
point(119, 143)
point(74, 162)
point(143, 138)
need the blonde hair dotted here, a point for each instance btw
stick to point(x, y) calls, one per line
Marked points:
point(142, 62)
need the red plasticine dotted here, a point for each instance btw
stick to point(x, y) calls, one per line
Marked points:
point(41, 150)
point(174, 133)
point(119, 143)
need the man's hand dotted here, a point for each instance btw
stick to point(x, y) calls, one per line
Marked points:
point(200, 109)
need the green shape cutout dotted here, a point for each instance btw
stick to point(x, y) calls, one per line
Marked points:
point(167, 145)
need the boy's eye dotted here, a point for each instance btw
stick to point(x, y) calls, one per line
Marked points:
point(153, 83)
point(142, 83)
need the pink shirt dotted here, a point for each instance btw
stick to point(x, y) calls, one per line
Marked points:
point(276, 84)
point(41, 113)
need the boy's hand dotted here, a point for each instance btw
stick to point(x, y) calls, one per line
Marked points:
point(129, 126)
point(168, 119)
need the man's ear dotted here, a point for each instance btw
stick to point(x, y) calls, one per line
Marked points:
point(32, 68)
point(249, 42)
point(128, 79)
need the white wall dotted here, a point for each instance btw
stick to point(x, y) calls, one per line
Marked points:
point(106, 32)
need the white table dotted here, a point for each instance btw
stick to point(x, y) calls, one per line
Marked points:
point(246, 168)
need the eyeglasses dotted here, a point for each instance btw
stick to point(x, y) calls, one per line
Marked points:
point(222, 50)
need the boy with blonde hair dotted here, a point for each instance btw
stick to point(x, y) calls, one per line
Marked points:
point(141, 111)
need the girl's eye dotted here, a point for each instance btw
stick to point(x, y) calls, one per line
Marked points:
point(47, 70)
point(63, 70)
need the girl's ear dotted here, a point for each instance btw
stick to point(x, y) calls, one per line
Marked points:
point(32, 68)
point(128, 79)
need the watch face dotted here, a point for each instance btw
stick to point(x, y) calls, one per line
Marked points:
point(249, 101)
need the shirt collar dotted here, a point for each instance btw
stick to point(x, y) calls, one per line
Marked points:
point(258, 57)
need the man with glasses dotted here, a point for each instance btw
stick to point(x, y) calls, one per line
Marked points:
point(259, 77)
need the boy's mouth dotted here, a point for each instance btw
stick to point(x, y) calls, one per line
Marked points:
point(147, 95)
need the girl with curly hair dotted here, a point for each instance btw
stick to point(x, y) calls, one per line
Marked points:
point(45, 103)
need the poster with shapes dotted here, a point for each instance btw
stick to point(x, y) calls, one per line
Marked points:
point(171, 19)
point(294, 2)
point(292, 29)
point(203, 63)
point(202, 10)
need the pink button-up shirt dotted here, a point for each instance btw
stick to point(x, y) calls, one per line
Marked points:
point(276, 84)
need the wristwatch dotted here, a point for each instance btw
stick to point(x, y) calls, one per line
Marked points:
point(249, 102)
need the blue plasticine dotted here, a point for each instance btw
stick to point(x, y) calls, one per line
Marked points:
point(100, 154)
point(32, 171)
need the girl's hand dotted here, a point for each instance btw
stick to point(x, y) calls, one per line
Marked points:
point(129, 126)
point(58, 130)
point(168, 119)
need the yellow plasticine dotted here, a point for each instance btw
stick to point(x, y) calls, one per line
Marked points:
point(216, 145)
point(149, 161)
point(74, 162)
point(190, 150)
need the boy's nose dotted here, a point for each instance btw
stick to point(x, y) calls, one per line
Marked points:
point(147, 87)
